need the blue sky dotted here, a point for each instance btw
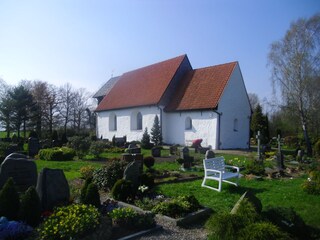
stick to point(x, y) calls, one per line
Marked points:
point(85, 42)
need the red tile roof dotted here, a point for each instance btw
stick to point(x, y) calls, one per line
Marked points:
point(201, 88)
point(141, 87)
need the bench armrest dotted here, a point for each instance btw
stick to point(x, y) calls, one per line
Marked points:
point(234, 167)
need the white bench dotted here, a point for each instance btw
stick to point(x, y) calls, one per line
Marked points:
point(215, 169)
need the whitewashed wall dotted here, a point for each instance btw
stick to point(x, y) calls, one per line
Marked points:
point(234, 104)
point(204, 125)
point(124, 122)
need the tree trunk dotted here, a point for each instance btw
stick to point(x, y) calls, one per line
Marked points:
point(305, 133)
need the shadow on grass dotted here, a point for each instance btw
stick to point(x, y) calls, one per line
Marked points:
point(242, 189)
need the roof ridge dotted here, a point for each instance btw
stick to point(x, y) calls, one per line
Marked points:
point(218, 65)
point(156, 63)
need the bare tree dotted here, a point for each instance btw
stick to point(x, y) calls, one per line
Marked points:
point(254, 100)
point(79, 107)
point(66, 95)
point(295, 64)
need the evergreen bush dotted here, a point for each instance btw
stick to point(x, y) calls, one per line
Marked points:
point(9, 200)
point(122, 190)
point(84, 189)
point(30, 207)
point(80, 144)
point(262, 231)
point(156, 133)
point(92, 195)
point(97, 147)
point(107, 176)
point(145, 141)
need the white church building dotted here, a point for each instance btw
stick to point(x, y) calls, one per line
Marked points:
point(210, 103)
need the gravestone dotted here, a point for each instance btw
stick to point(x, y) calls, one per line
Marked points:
point(173, 150)
point(132, 173)
point(156, 152)
point(210, 154)
point(53, 188)
point(33, 146)
point(133, 149)
point(300, 155)
point(127, 157)
point(184, 152)
point(139, 159)
point(22, 170)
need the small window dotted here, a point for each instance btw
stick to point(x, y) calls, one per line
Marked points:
point(188, 123)
point(113, 122)
point(235, 125)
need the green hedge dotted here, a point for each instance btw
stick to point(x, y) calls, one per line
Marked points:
point(57, 154)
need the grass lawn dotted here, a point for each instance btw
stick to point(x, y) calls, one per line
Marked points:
point(70, 168)
point(286, 193)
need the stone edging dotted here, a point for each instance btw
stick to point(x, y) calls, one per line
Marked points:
point(141, 233)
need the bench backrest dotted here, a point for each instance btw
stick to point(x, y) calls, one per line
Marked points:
point(214, 163)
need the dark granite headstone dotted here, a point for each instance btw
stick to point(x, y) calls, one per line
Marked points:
point(33, 146)
point(53, 188)
point(22, 170)
point(173, 150)
point(184, 153)
point(210, 154)
point(156, 152)
point(127, 157)
point(132, 173)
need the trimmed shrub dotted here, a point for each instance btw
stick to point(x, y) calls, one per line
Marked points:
point(107, 176)
point(148, 162)
point(122, 190)
point(84, 189)
point(97, 147)
point(70, 222)
point(80, 144)
point(287, 220)
point(312, 184)
point(87, 172)
point(254, 167)
point(92, 195)
point(57, 154)
point(177, 207)
point(224, 226)
point(9, 201)
point(261, 231)
point(30, 207)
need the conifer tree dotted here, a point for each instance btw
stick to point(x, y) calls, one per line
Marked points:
point(156, 134)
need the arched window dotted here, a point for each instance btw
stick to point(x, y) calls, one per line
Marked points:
point(139, 121)
point(235, 125)
point(113, 122)
point(188, 123)
point(136, 121)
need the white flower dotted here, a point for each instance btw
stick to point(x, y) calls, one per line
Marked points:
point(309, 179)
point(143, 188)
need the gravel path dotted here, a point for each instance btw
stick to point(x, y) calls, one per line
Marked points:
point(169, 231)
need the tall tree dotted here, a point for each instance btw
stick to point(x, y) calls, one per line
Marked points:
point(156, 134)
point(66, 95)
point(22, 105)
point(259, 122)
point(254, 100)
point(295, 64)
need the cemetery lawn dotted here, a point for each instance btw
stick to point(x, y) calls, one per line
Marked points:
point(70, 168)
point(275, 193)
